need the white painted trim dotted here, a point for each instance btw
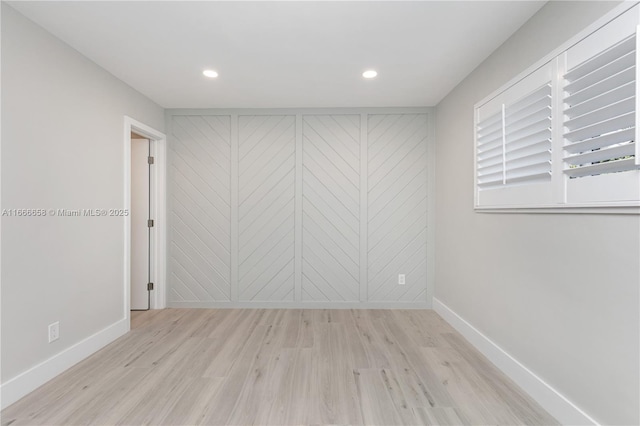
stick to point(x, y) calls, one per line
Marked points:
point(17, 387)
point(573, 209)
point(159, 250)
point(126, 272)
point(301, 305)
point(1, 390)
point(159, 300)
point(550, 399)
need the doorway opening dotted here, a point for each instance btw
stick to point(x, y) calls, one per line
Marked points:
point(145, 222)
point(141, 222)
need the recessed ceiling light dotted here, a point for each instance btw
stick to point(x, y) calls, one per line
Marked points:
point(370, 74)
point(210, 73)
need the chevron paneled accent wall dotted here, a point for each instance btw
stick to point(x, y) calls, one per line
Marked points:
point(299, 208)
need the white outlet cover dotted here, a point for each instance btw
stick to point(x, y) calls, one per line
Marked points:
point(54, 331)
point(401, 279)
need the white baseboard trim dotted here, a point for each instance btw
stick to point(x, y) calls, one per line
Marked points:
point(17, 387)
point(302, 305)
point(550, 399)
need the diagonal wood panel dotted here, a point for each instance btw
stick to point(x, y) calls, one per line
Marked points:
point(397, 206)
point(331, 202)
point(266, 210)
point(200, 209)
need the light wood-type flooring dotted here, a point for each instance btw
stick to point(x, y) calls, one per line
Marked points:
point(282, 367)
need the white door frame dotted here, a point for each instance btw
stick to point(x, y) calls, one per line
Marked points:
point(158, 213)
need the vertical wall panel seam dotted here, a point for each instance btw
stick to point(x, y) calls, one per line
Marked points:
point(234, 196)
point(364, 204)
point(431, 207)
point(168, 119)
point(298, 211)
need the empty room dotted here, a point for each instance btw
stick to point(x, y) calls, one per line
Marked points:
point(319, 213)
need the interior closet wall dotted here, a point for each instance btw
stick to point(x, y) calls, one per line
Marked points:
point(299, 207)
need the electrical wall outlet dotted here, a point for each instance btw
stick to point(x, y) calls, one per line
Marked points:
point(54, 331)
point(401, 280)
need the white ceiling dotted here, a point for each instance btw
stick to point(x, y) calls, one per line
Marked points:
point(285, 54)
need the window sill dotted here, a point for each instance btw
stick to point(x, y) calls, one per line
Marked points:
point(575, 209)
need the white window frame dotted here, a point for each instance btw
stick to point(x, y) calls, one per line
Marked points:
point(521, 203)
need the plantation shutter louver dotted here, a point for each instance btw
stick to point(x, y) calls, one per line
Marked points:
point(528, 138)
point(600, 116)
point(490, 160)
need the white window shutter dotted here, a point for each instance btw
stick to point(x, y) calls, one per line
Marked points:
point(599, 97)
point(565, 133)
point(513, 144)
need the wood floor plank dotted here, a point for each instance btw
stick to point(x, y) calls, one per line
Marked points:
point(256, 389)
point(301, 402)
point(415, 329)
point(355, 346)
point(504, 392)
point(334, 386)
point(418, 395)
point(236, 334)
point(373, 347)
point(145, 405)
point(225, 400)
point(210, 319)
point(192, 403)
point(105, 397)
point(376, 405)
point(395, 390)
point(305, 339)
point(292, 328)
point(406, 356)
point(281, 367)
point(277, 382)
point(445, 363)
point(442, 416)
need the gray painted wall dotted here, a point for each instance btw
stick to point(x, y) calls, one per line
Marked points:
point(298, 208)
point(62, 147)
point(559, 292)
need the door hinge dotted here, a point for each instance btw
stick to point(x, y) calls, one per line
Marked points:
point(150, 160)
point(150, 223)
point(149, 286)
